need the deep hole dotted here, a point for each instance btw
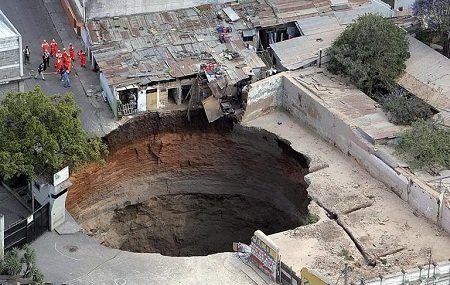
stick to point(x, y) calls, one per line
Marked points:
point(190, 191)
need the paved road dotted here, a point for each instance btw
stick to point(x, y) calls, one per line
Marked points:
point(38, 20)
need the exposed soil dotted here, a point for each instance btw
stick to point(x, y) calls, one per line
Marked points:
point(184, 189)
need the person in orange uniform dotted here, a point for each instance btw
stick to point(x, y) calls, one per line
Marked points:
point(45, 46)
point(53, 48)
point(82, 56)
point(59, 65)
point(65, 57)
point(68, 65)
point(72, 52)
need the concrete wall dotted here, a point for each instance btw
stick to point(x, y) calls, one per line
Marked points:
point(306, 107)
point(111, 8)
point(110, 96)
point(263, 96)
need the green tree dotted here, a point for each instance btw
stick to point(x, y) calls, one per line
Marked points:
point(426, 145)
point(434, 16)
point(371, 52)
point(41, 134)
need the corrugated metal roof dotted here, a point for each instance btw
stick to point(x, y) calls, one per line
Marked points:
point(231, 14)
point(427, 75)
point(304, 50)
point(168, 45)
point(320, 24)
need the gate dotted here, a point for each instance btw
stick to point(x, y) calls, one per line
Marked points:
point(28, 229)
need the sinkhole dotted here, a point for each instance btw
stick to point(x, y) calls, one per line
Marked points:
point(183, 188)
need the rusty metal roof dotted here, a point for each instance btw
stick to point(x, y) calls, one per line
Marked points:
point(164, 46)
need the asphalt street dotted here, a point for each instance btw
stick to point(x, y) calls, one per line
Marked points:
point(37, 20)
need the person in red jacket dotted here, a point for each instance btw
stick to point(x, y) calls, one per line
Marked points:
point(72, 52)
point(44, 46)
point(82, 56)
point(53, 48)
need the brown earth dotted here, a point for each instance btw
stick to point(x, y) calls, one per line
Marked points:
point(185, 189)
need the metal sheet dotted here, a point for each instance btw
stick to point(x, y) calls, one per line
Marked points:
point(231, 14)
point(212, 109)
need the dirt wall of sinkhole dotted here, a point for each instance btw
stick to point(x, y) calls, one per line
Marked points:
point(189, 188)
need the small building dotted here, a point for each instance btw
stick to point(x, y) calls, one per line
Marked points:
point(11, 63)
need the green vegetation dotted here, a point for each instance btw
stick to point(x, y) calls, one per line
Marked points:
point(403, 108)
point(311, 219)
point(371, 52)
point(426, 145)
point(16, 260)
point(435, 19)
point(41, 134)
point(345, 253)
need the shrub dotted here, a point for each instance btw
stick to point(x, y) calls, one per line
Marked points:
point(403, 108)
point(426, 145)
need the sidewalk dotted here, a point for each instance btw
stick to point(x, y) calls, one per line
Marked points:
point(97, 118)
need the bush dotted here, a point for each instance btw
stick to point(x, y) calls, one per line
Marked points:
point(403, 108)
point(426, 145)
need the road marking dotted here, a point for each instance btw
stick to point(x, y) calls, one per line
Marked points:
point(120, 281)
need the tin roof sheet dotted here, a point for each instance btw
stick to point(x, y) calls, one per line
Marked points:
point(427, 75)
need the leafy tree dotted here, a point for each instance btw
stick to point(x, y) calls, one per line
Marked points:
point(41, 134)
point(403, 108)
point(426, 145)
point(371, 52)
point(434, 16)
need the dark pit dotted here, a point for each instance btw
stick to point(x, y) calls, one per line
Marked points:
point(185, 189)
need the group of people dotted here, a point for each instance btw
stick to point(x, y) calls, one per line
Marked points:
point(63, 59)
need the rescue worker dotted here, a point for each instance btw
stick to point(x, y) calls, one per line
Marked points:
point(26, 55)
point(59, 66)
point(53, 48)
point(82, 56)
point(68, 65)
point(44, 46)
point(72, 52)
point(65, 56)
point(40, 71)
point(46, 60)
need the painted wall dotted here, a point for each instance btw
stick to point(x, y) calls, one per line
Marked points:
point(142, 101)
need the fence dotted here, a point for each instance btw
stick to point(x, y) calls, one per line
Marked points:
point(28, 229)
point(287, 276)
